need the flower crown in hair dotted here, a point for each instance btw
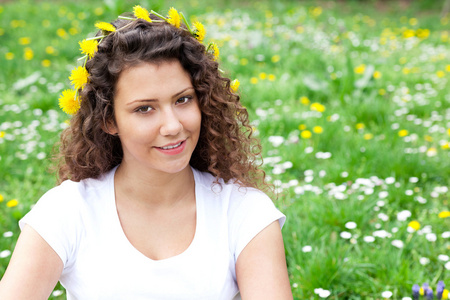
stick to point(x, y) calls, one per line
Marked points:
point(69, 100)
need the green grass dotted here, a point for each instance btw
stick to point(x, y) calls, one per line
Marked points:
point(282, 51)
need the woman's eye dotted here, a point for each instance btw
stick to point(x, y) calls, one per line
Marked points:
point(144, 109)
point(184, 100)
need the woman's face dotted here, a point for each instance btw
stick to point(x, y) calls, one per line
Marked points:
point(157, 116)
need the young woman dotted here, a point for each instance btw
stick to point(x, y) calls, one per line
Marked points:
point(159, 196)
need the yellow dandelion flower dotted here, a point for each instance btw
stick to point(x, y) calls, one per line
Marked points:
point(360, 69)
point(1, 196)
point(414, 225)
point(382, 92)
point(317, 129)
point(46, 63)
point(262, 75)
point(98, 11)
point(302, 126)
point(49, 50)
point(360, 126)
point(306, 134)
point(403, 133)
point(199, 31)
point(271, 77)
point(444, 214)
point(68, 103)
point(141, 13)
point(174, 17)
point(276, 58)
point(12, 203)
point(445, 146)
point(317, 107)
point(448, 131)
point(440, 74)
point(2, 135)
point(368, 136)
point(428, 138)
point(105, 26)
point(445, 294)
point(9, 56)
point(253, 80)
point(24, 40)
point(62, 33)
point(243, 61)
point(304, 100)
point(215, 50)
point(377, 75)
point(234, 85)
point(447, 68)
point(89, 47)
point(28, 54)
point(79, 77)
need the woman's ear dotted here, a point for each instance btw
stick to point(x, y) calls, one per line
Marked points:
point(110, 127)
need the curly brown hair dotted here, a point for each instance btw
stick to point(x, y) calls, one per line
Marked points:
point(226, 148)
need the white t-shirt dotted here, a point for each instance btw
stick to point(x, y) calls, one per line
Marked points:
point(79, 221)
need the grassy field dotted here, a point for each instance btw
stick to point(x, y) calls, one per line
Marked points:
point(351, 102)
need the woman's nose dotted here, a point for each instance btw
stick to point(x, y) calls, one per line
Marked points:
point(170, 123)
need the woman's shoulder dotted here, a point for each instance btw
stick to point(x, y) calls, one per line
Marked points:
point(74, 193)
point(231, 191)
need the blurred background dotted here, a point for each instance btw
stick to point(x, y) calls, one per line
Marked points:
point(350, 100)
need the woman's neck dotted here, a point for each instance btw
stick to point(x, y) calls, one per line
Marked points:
point(153, 189)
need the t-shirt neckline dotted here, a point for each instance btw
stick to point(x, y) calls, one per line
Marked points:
point(122, 238)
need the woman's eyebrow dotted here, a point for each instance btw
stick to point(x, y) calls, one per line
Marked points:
point(153, 100)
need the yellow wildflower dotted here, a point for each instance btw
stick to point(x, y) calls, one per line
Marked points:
point(98, 11)
point(360, 69)
point(414, 225)
point(445, 146)
point(447, 68)
point(79, 77)
point(2, 135)
point(24, 40)
point(403, 133)
point(9, 56)
point(428, 138)
point(276, 58)
point(49, 50)
point(174, 17)
point(28, 54)
point(141, 13)
point(199, 31)
point(445, 294)
point(215, 50)
point(271, 77)
point(368, 136)
point(105, 26)
point(62, 33)
point(234, 85)
point(253, 80)
point(68, 103)
point(46, 63)
point(262, 75)
point(440, 73)
point(302, 126)
point(1, 196)
point(89, 47)
point(12, 203)
point(243, 61)
point(317, 129)
point(377, 75)
point(444, 214)
point(448, 131)
point(382, 92)
point(360, 126)
point(306, 134)
point(317, 107)
point(304, 100)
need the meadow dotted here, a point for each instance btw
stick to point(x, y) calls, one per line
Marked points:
point(351, 102)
